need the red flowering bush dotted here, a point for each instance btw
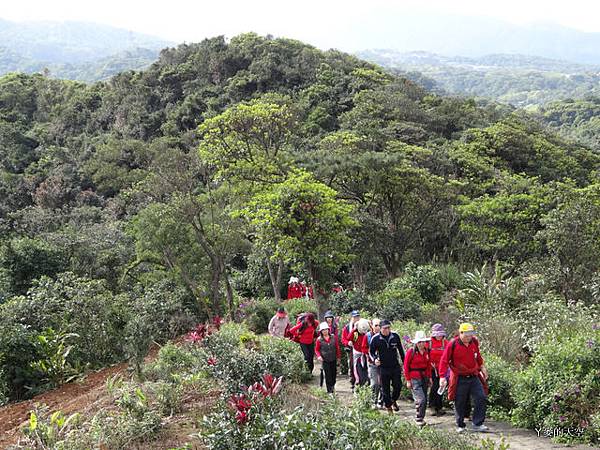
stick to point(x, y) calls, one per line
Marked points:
point(253, 397)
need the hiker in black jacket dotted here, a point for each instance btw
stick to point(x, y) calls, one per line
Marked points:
point(387, 352)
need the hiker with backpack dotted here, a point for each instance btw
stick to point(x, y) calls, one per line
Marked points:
point(386, 351)
point(468, 377)
point(417, 372)
point(279, 323)
point(360, 351)
point(347, 344)
point(304, 332)
point(374, 370)
point(436, 349)
point(328, 352)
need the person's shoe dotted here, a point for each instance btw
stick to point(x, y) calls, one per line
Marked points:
point(460, 429)
point(480, 428)
point(395, 406)
point(420, 422)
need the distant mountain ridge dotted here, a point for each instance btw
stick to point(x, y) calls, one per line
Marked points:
point(72, 42)
point(474, 37)
point(520, 80)
point(75, 50)
point(393, 58)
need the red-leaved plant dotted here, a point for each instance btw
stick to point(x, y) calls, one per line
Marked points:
point(242, 403)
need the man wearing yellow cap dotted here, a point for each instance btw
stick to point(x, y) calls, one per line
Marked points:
point(467, 377)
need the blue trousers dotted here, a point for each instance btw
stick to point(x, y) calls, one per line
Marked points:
point(469, 387)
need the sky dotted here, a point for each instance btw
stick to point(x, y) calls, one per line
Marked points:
point(313, 21)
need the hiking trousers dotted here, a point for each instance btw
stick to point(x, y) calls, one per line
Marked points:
point(390, 376)
point(469, 386)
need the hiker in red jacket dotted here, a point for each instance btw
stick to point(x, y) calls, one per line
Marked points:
point(360, 352)
point(417, 372)
point(305, 331)
point(294, 288)
point(468, 377)
point(436, 349)
point(328, 352)
point(347, 344)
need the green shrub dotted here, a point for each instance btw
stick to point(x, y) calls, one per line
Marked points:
point(258, 314)
point(168, 310)
point(398, 303)
point(74, 305)
point(284, 358)
point(424, 279)
point(240, 357)
point(343, 303)
point(18, 352)
point(45, 430)
point(502, 376)
point(560, 387)
point(447, 315)
point(297, 306)
point(171, 363)
point(332, 426)
point(450, 276)
point(54, 363)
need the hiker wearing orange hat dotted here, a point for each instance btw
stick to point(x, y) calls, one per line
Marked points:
point(468, 377)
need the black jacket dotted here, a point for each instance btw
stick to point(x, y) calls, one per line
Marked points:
point(387, 349)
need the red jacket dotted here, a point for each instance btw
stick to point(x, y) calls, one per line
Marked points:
point(307, 335)
point(338, 353)
point(437, 348)
point(346, 335)
point(417, 365)
point(294, 291)
point(460, 358)
point(360, 342)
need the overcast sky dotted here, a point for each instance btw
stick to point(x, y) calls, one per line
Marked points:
point(313, 21)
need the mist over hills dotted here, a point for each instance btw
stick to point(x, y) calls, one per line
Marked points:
point(74, 50)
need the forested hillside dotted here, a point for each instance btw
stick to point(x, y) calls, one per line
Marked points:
point(133, 208)
point(519, 80)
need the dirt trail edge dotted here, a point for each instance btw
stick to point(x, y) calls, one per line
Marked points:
point(516, 438)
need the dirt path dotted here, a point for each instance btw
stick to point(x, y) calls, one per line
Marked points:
point(77, 396)
point(516, 438)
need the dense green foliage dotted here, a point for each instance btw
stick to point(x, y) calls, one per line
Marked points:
point(134, 207)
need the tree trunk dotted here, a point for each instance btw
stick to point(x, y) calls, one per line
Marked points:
point(314, 283)
point(215, 287)
point(173, 263)
point(275, 279)
point(228, 290)
point(358, 276)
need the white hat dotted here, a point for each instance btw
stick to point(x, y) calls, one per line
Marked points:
point(293, 280)
point(420, 336)
point(323, 326)
point(363, 326)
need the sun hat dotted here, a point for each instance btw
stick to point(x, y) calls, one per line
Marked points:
point(323, 326)
point(420, 336)
point(329, 314)
point(437, 330)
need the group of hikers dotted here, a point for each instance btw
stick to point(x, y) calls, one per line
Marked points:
point(376, 357)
